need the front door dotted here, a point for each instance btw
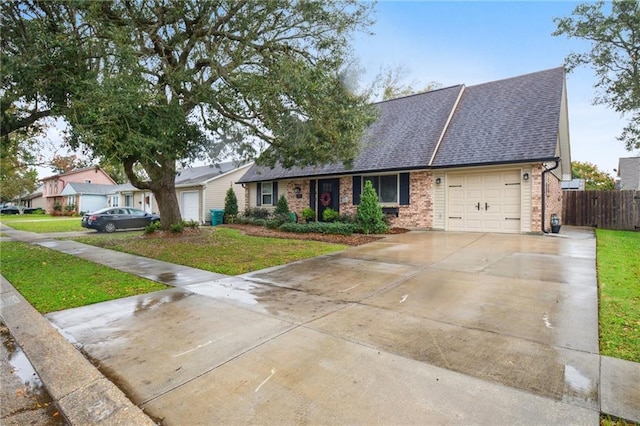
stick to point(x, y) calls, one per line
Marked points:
point(328, 195)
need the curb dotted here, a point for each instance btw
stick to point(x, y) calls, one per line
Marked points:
point(83, 395)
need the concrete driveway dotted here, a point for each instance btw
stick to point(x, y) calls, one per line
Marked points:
point(418, 328)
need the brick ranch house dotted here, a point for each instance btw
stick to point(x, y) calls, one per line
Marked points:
point(485, 158)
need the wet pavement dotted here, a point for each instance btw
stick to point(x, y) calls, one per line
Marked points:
point(24, 398)
point(423, 327)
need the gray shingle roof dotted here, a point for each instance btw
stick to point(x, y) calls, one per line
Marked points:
point(87, 188)
point(512, 120)
point(201, 174)
point(629, 172)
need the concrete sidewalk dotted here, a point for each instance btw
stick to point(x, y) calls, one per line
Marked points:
point(271, 337)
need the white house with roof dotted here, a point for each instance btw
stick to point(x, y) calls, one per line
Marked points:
point(85, 197)
point(199, 190)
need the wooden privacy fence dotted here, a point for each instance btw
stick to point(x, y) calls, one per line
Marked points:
point(602, 209)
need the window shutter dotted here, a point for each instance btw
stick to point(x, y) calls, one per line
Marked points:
point(274, 199)
point(404, 189)
point(259, 196)
point(312, 194)
point(357, 189)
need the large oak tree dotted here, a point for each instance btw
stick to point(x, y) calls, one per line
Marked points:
point(615, 56)
point(153, 83)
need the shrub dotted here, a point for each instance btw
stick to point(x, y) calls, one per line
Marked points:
point(348, 218)
point(177, 228)
point(193, 224)
point(282, 207)
point(330, 215)
point(319, 227)
point(257, 213)
point(152, 227)
point(308, 214)
point(230, 206)
point(370, 216)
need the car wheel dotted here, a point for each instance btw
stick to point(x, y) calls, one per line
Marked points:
point(109, 227)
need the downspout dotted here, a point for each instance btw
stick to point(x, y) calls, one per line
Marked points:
point(544, 196)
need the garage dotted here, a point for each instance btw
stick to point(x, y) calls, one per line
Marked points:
point(484, 202)
point(189, 205)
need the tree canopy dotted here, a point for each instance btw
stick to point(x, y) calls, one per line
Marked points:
point(152, 83)
point(614, 55)
point(593, 177)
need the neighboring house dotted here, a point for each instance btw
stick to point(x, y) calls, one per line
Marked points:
point(629, 173)
point(199, 190)
point(574, 185)
point(53, 186)
point(86, 197)
point(486, 158)
point(35, 199)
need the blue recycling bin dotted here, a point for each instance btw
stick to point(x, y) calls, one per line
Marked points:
point(217, 217)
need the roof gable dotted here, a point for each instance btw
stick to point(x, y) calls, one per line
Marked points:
point(202, 174)
point(629, 172)
point(404, 136)
point(510, 120)
point(505, 121)
point(73, 188)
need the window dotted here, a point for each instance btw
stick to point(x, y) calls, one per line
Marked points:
point(115, 201)
point(71, 200)
point(128, 200)
point(386, 187)
point(267, 193)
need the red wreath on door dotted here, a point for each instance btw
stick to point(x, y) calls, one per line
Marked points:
point(325, 199)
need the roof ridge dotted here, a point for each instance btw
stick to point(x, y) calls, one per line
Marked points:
point(501, 80)
point(419, 94)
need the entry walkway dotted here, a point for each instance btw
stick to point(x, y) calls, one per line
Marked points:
point(425, 327)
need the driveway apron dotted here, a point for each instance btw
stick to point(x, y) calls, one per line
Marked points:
point(423, 327)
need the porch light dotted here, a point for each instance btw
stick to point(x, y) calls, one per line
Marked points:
point(298, 192)
point(525, 176)
point(438, 181)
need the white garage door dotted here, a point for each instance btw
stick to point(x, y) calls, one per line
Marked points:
point(189, 205)
point(484, 202)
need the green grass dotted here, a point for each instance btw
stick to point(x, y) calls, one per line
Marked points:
point(222, 250)
point(42, 223)
point(618, 263)
point(52, 281)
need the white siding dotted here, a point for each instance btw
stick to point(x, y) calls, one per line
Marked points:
point(525, 209)
point(439, 201)
point(216, 191)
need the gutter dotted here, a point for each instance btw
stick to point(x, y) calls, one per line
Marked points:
point(544, 196)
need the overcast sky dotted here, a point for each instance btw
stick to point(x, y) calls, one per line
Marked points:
point(475, 42)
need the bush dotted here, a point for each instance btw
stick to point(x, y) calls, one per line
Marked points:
point(282, 207)
point(370, 216)
point(257, 213)
point(319, 227)
point(230, 206)
point(152, 227)
point(177, 228)
point(193, 224)
point(308, 214)
point(330, 215)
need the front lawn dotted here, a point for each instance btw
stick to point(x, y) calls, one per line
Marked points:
point(216, 249)
point(52, 281)
point(618, 261)
point(42, 223)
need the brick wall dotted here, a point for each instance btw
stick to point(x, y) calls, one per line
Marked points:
point(553, 198)
point(419, 214)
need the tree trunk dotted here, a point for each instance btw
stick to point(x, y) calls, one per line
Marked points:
point(165, 193)
point(163, 186)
